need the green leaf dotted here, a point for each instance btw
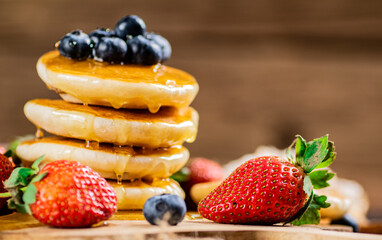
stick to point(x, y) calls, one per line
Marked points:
point(308, 187)
point(19, 207)
point(39, 177)
point(19, 176)
point(312, 213)
point(37, 163)
point(13, 145)
point(300, 150)
point(315, 153)
point(29, 197)
point(182, 175)
point(8, 153)
point(301, 212)
point(320, 178)
point(311, 216)
point(289, 154)
point(330, 156)
point(320, 201)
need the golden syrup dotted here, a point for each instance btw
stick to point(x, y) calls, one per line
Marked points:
point(122, 163)
point(104, 124)
point(39, 133)
point(87, 144)
point(113, 162)
point(119, 86)
point(133, 194)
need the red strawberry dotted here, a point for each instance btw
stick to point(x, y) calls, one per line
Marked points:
point(204, 170)
point(63, 194)
point(2, 150)
point(6, 168)
point(270, 190)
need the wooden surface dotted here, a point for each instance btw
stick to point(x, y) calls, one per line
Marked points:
point(267, 70)
point(17, 226)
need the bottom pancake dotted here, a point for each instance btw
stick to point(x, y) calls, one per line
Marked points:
point(133, 195)
point(106, 159)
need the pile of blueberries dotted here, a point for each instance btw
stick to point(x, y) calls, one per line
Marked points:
point(127, 43)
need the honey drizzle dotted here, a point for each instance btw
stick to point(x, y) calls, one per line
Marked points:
point(122, 163)
point(39, 133)
point(70, 77)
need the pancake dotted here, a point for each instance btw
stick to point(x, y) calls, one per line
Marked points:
point(169, 126)
point(108, 160)
point(119, 86)
point(133, 195)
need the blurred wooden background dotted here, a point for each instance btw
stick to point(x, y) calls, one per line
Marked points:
point(267, 70)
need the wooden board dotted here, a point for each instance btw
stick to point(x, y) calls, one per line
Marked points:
point(131, 225)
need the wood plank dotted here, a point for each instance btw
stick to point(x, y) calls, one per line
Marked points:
point(25, 227)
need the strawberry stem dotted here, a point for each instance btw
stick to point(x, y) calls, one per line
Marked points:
point(310, 156)
point(5, 195)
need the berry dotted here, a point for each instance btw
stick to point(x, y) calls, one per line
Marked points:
point(99, 33)
point(348, 220)
point(2, 149)
point(163, 44)
point(63, 194)
point(165, 207)
point(75, 45)
point(143, 51)
point(110, 49)
point(204, 170)
point(130, 25)
point(6, 168)
point(270, 190)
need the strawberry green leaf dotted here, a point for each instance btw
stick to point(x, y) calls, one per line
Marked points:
point(13, 145)
point(36, 163)
point(19, 207)
point(315, 153)
point(19, 177)
point(330, 156)
point(311, 216)
point(289, 153)
point(8, 153)
point(320, 201)
point(312, 213)
point(300, 149)
point(308, 187)
point(320, 178)
point(21, 188)
point(182, 175)
point(39, 177)
point(301, 212)
point(29, 197)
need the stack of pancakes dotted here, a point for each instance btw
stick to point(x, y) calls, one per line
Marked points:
point(127, 122)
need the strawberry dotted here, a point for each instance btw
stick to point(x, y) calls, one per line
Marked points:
point(63, 194)
point(268, 190)
point(2, 150)
point(198, 171)
point(6, 168)
point(204, 170)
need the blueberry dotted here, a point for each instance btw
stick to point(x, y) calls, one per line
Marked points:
point(348, 221)
point(99, 33)
point(130, 25)
point(110, 49)
point(75, 45)
point(163, 44)
point(143, 51)
point(170, 208)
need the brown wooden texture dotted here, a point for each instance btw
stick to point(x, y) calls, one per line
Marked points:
point(18, 226)
point(267, 70)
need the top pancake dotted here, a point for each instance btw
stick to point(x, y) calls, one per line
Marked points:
point(119, 86)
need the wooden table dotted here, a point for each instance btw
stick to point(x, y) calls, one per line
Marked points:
point(131, 225)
